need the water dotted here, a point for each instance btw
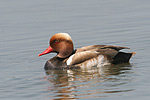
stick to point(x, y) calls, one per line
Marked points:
point(25, 30)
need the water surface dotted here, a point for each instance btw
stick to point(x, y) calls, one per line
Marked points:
point(25, 30)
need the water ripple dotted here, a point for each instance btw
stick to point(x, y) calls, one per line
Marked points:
point(77, 84)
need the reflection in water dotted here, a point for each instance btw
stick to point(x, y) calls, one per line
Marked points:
point(96, 82)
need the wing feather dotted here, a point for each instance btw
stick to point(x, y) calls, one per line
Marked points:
point(89, 52)
point(81, 57)
point(96, 47)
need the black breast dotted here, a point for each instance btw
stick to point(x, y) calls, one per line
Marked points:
point(55, 63)
point(58, 63)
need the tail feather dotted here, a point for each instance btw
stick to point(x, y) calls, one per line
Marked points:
point(122, 57)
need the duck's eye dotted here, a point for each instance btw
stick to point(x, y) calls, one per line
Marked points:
point(56, 41)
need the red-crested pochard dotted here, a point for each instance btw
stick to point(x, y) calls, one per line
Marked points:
point(88, 56)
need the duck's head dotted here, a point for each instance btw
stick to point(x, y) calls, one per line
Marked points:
point(60, 43)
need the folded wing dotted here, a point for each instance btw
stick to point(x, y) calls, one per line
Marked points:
point(89, 52)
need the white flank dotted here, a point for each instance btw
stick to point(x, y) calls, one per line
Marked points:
point(99, 61)
point(69, 60)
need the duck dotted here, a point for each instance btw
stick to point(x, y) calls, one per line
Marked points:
point(89, 56)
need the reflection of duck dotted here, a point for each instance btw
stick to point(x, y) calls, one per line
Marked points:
point(88, 56)
point(76, 84)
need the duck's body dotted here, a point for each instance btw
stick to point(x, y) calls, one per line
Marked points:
point(94, 55)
